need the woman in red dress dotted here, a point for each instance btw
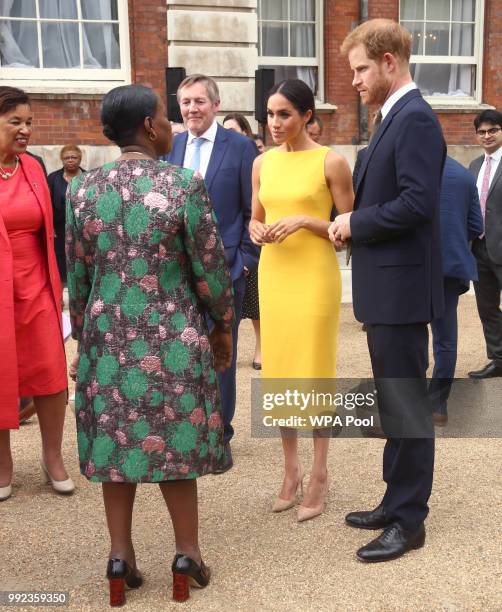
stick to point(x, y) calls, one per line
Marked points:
point(32, 358)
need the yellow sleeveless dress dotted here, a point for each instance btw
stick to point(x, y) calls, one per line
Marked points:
point(299, 279)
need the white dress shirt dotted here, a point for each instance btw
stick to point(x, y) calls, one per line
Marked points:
point(397, 95)
point(206, 148)
point(495, 164)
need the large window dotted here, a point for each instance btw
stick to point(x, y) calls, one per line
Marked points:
point(81, 40)
point(447, 47)
point(289, 40)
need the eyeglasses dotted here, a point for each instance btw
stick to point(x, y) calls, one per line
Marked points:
point(491, 132)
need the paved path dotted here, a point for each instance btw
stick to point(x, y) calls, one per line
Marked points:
point(263, 561)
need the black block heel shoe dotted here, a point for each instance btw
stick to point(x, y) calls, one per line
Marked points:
point(187, 573)
point(121, 575)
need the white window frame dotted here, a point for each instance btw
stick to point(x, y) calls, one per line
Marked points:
point(473, 60)
point(69, 80)
point(314, 62)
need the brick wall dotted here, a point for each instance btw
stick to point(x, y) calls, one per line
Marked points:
point(343, 126)
point(72, 118)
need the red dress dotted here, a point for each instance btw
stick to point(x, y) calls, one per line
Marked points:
point(41, 361)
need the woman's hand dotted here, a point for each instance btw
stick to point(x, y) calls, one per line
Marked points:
point(73, 368)
point(258, 232)
point(222, 347)
point(280, 230)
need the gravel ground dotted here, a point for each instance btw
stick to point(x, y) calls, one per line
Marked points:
point(264, 561)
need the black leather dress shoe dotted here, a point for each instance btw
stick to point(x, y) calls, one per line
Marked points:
point(491, 370)
point(391, 544)
point(372, 519)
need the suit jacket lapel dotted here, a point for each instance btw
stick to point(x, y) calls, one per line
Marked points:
point(179, 148)
point(498, 174)
point(414, 93)
point(219, 148)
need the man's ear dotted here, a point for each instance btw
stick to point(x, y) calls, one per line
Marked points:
point(390, 61)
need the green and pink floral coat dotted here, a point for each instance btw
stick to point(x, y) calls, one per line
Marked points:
point(145, 260)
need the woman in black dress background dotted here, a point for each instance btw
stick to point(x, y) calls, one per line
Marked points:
point(71, 156)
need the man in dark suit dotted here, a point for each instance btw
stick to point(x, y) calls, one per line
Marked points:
point(397, 283)
point(487, 249)
point(461, 223)
point(225, 160)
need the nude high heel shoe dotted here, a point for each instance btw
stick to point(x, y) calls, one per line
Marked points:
point(64, 487)
point(305, 513)
point(5, 492)
point(280, 504)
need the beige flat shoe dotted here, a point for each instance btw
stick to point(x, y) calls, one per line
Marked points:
point(63, 487)
point(5, 492)
point(280, 504)
point(305, 513)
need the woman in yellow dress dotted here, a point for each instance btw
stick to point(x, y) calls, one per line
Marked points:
point(294, 188)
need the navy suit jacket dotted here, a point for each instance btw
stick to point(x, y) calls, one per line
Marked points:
point(461, 221)
point(396, 255)
point(228, 181)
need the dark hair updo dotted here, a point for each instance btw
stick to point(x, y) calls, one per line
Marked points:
point(298, 93)
point(124, 110)
point(10, 97)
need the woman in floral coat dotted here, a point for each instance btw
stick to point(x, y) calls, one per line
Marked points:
point(144, 261)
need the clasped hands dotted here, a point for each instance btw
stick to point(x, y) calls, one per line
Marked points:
point(339, 231)
point(261, 233)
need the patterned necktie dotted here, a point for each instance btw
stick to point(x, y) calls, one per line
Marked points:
point(195, 161)
point(485, 188)
point(376, 125)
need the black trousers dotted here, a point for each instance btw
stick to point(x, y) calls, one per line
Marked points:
point(399, 358)
point(487, 289)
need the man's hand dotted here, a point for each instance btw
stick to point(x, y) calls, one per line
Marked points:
point(339, 231)
point(221, 345)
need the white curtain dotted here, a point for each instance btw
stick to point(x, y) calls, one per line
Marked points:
point(302, 39)
point(462, 43)
point(60, 41)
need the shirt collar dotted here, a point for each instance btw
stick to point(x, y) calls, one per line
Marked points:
point(209, 134)
point(495, 156)
point(397, 95)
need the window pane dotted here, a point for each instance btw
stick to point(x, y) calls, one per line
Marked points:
point(18, 44)
point(303, 40)
point(417, 36)
point(463, 10)
point(438, 10)
point(412, 9)
point(456, 80)
point(308, 74)
point(302, 10)
point(462, 39)
point(437, 38)
point(101, 45)
point(18, 8)
point(274, 9)
point(50, 9)
point(60, 45)
point(274, 39)
point(99, 9)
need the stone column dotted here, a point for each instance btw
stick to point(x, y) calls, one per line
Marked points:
point(218, 38)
